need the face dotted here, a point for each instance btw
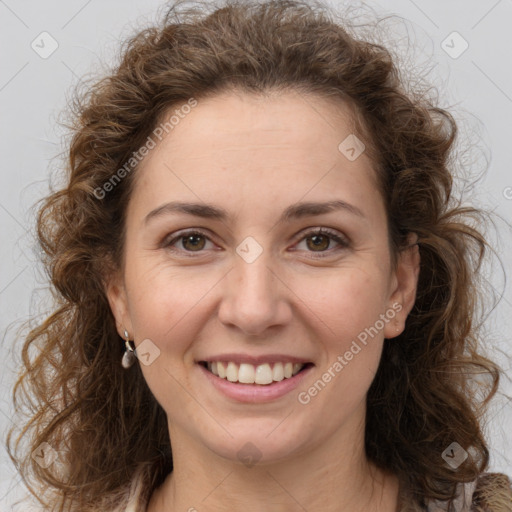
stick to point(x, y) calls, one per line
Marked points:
point(242, 283)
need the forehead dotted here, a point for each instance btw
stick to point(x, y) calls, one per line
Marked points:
point(268, 146)
point(240, 121)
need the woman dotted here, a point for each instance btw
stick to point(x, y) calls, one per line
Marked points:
point(265, 293)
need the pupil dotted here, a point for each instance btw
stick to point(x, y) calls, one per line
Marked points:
point(318, 238)
point(190, 239)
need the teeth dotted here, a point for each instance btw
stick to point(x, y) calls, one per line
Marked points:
point(221, 370)
point(246, 373)
point(232, 372)
point(278, 372)
point(263, 374)
point(249, 374)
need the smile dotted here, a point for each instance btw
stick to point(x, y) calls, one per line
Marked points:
point(246, 373)
point(254, 383)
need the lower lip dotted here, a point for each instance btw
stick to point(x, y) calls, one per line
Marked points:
point(255, 393)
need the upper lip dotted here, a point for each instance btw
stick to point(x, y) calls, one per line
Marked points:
point(255, 360)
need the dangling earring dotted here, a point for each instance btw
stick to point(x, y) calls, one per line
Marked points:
point(129, 354)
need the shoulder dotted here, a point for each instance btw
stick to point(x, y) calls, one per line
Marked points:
point(490, 492)
point(493, 493)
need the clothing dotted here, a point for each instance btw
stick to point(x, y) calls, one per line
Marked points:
point(138, 500)
point(462, 503)
point(135, 503)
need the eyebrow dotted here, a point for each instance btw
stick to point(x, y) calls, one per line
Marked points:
point(293, 212)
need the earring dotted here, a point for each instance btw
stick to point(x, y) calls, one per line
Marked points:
point(129, 354)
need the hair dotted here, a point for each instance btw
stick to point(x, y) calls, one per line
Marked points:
point(102, 419)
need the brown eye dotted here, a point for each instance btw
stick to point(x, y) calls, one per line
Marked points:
point(193, 242)
point(320, 242)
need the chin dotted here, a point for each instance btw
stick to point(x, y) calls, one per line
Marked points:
point(257, 445)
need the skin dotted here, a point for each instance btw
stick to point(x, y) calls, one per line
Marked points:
point(254, 156)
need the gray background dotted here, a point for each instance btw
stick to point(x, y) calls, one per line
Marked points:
point(476, 85)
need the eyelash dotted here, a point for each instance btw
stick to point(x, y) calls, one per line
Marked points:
point(343, 242)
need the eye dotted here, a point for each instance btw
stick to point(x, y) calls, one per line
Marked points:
point(319, 240)
point(191, 241)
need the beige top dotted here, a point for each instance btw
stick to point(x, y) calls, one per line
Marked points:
point(462, 503)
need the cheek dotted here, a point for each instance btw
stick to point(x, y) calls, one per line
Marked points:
point(348, 309)
point(167, 306)
point(350, 333)
point(164, 302)
point(347, 301)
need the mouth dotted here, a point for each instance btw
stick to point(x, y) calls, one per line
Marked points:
point(265, 374)
point(258, 382)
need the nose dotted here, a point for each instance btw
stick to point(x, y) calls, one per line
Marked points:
point(255, 298)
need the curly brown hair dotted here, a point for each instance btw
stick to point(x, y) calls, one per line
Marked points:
point(102, 419)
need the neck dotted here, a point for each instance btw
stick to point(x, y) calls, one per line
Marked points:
point(334, 477)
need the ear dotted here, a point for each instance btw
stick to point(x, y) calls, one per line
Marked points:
point(404, 285)
point(117, 298)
